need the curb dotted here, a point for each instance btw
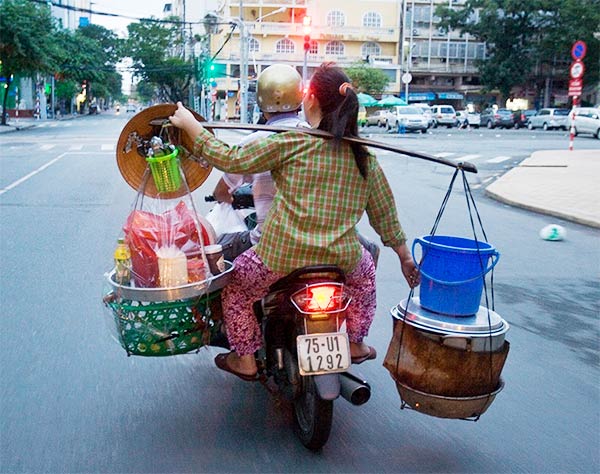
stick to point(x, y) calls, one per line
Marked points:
point(540, 210)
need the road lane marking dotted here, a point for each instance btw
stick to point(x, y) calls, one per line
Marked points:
point(444, 154)
point(466, 158)
point(33, 173)
point(107, 147)
point(499, 159)
point(76, 147)
point(47, 147)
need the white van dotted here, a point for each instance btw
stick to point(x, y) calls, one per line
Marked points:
point(443, 115)
point(587, 120)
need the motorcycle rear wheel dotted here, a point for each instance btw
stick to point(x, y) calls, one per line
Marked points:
point(312, 416)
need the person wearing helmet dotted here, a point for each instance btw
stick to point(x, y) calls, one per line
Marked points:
point(324, 186)
point(279, 96)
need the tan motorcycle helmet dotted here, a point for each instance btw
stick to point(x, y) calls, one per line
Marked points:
point(279, 89)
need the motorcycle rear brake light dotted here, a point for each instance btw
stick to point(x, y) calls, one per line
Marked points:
point(321, 298)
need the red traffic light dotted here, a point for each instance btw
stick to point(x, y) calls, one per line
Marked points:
point(306, 21)
point(306, 42)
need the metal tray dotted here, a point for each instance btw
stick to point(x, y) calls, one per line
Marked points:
point(191, 290)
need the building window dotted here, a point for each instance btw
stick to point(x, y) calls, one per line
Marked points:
point(336, 18)
point(253, 45)
point(314, 47)
point(372, 20)
point(370, 49)
point(285, 45)
point(335, 48)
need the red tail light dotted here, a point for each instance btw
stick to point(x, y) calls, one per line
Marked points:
point(321, 298)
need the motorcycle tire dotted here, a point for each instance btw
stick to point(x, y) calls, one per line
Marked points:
point(313, 416)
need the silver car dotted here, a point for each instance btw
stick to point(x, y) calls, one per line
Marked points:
point(549, 119)
point(406, 118)
point(587, 120)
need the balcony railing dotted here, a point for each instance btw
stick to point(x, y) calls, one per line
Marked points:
point(324, 32)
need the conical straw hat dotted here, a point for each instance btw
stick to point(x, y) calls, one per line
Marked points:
point(145, 125)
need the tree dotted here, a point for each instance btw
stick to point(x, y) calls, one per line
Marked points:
point(26, 46)
point(156, 51)
point(527, 41)
point(367, 79)
point(89, 55)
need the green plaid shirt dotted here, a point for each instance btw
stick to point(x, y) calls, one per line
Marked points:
point(320, 198)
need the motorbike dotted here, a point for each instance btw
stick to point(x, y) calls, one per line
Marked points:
point(305, 355)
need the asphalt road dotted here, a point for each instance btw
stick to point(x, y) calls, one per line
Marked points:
point(72, 401)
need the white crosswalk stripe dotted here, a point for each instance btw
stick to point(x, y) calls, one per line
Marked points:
point(75, 147)
point(444, 154)
point(47, 147)
point(107, 147)
point(466, 158)
point(499, 159)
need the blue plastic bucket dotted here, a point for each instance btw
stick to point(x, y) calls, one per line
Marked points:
point(453, 270)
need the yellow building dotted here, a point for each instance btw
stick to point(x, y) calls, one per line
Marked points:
point(381, 32)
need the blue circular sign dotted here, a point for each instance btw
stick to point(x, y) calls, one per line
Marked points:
point(578, 50)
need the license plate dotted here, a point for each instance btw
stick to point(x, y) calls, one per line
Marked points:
point(323, 353)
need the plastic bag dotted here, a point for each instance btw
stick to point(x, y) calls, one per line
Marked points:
point(170, 231)
point(225, 219)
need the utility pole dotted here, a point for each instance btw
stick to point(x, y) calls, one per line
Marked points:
point(243, 67)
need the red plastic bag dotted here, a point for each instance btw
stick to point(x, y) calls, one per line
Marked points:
point(146, 232)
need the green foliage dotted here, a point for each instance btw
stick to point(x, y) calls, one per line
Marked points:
point(367, 79)
point(31, 43)
point(528, 40)
point(26, 46)
point(156, 51)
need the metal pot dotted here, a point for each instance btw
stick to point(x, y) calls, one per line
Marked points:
point(482, 332)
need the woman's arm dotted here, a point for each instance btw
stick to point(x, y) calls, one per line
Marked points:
point(383, 216)
point(256, 157)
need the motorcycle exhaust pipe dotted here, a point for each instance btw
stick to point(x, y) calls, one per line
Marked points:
point(354, 389)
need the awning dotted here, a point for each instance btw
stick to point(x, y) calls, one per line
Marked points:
point(450, 95)
point(419, 96)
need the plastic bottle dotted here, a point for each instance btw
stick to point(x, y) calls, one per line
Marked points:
point(122, 263)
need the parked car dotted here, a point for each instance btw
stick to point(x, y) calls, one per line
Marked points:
point(406, 117)
point(427, 111)
point(376, 118)
point(443, 115)
point(587, 120)
point(464, 119)
point(549, 119)
point(492, 118)
point(522, 117)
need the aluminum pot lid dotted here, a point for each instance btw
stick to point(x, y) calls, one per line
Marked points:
point(477, 325)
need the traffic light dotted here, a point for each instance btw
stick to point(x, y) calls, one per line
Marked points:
point(306, 22)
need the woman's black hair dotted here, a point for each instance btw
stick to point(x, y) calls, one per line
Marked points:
point(339, 109)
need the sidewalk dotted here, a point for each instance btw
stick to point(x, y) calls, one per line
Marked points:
point(559, 183)
point(16, 124)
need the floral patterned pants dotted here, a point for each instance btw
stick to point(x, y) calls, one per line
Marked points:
point(250, 281)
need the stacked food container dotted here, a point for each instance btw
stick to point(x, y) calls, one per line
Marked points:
point(448, 351)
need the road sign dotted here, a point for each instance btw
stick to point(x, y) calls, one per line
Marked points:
point(577, 70)
point(575, 87)
point(578, 50)
point(406, 77)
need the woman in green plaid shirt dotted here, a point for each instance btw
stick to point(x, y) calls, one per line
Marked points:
point(323, 188)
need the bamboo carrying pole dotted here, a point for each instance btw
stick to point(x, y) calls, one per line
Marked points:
point(469, 167)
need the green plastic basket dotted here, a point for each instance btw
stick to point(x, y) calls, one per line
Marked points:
point(164, 328)
point(165, 171)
